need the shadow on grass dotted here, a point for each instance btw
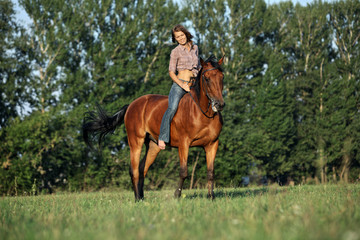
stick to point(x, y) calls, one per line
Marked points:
point(235, 193)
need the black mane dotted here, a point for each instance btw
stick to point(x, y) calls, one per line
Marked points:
point(212, 60)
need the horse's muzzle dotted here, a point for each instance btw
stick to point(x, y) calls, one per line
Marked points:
point(217, 106)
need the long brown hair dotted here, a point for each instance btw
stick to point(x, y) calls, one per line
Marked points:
point(181, 28)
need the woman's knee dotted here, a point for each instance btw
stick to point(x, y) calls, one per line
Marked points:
point(172, 110)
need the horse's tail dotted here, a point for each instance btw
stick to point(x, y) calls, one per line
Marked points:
point(99, 123)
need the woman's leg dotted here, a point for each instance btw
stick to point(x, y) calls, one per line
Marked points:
point(176, 93)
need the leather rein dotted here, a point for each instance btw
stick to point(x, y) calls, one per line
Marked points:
point(206, 93)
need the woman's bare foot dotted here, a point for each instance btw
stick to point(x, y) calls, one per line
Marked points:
point(161, 144)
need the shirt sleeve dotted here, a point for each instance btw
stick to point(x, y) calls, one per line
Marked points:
point(196, 68)
point(173, 61)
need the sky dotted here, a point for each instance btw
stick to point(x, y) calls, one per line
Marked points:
point(24, 19)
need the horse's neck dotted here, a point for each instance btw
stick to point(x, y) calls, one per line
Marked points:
point(202, 101)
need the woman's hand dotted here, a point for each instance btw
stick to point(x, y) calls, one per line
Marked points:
point(185, 74)
point(186, 87)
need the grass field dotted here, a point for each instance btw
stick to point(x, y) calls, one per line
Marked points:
point(302, 212)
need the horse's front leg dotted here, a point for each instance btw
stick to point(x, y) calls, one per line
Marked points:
point(183, 155)
point(211, 150)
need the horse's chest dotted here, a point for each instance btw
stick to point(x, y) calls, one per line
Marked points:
point(208, 132)
point(195, 130)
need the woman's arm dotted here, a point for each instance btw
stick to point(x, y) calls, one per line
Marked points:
point(196, 71)
point(182, 84)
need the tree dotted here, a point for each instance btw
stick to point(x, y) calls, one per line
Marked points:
point(310, 54)
point(344, 17)
point(14, 65)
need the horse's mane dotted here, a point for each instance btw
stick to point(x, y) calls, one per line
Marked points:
point(215, 64)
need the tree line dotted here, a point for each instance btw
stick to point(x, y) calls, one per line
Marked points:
point(291, 89)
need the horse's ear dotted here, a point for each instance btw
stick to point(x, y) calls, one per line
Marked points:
point(221, 60)
point(202, 62)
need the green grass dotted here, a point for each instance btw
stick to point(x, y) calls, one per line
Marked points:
point(303, 212)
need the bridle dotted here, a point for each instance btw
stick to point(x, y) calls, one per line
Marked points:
point(206, 93)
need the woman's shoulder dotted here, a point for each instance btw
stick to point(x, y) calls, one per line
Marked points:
point(175, 49)
point(194, 46)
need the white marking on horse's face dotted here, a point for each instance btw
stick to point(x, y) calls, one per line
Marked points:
point(213, 106)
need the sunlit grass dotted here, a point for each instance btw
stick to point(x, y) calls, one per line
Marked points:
point(304, 212)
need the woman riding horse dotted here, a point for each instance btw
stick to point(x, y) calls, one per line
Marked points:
point(184, 60)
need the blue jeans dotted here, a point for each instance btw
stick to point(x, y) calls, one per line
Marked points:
point(176, 93)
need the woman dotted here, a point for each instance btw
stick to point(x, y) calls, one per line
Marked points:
point(184, 64)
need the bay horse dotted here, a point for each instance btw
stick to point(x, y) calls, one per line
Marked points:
point(197, 122)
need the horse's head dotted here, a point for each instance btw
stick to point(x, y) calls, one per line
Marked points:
point(212, 82)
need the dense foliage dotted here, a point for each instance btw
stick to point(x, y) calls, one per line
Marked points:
point(291, 89)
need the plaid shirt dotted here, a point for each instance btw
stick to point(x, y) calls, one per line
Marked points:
point(182, 59)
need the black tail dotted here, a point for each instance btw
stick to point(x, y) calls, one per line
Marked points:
point(99, 123)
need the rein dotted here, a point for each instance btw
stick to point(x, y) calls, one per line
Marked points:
point(206, 93)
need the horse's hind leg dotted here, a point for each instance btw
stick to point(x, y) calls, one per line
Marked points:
point(152, 151)
point(135, 145)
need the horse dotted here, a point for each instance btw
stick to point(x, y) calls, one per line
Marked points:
point(197, 123)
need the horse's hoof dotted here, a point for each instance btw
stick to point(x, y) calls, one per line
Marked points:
point(211, 196)
point(177, 193)
point(139, 199)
